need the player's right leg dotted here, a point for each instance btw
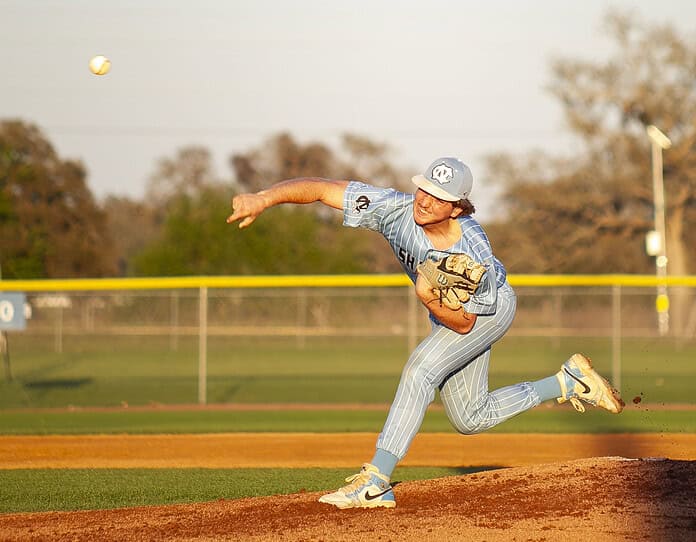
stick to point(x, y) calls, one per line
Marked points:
point(473, 409)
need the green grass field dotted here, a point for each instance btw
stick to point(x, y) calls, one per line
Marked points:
point(109, 372)
point(91, 489)
point(541, 420)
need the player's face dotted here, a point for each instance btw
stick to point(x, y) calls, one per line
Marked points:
point(428, 209)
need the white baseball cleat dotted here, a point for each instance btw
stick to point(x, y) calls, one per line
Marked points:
point(580, 382)
point(367, 489)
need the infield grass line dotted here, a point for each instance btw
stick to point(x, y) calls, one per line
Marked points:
point(543, 419)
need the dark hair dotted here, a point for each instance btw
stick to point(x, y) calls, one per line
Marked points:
point(466, 206)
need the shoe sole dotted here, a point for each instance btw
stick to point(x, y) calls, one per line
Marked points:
point(351, 504)
point(373, 504)
point(612, 393)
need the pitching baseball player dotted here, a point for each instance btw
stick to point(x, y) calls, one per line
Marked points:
point(471, 306)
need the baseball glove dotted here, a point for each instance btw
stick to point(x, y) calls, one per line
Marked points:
point(454, 278)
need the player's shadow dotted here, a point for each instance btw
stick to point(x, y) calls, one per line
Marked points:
point(461, 471)
point(473, 470)
point(57, 383)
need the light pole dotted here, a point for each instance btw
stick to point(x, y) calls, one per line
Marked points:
point(658, 246)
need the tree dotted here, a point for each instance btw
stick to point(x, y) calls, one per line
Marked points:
point(132, 225)
point(282, 157)
point(369, 160)
point(591, 212)
point(194, 238)
point(563, 216)
point(189, 172)
point(50, 225)
point(651, 80)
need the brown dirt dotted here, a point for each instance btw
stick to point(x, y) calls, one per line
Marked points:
point(236, 450)
point(599, 499)
point(550, 492)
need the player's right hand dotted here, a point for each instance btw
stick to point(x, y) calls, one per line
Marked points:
point(245, 208)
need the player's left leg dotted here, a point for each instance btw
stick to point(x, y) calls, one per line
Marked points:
point(367, 489)
point(440, 354)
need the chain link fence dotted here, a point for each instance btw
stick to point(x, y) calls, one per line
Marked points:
point(173, 316)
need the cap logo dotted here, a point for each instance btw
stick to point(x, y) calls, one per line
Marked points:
point(443, 173)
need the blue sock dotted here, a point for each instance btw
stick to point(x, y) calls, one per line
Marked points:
point(547, 388)
point(385, 461)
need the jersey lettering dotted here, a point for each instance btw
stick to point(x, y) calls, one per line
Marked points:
point(408, 260)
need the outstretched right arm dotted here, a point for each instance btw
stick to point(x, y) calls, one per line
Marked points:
point(246, 207)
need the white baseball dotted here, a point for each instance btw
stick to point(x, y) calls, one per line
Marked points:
point(99, 65)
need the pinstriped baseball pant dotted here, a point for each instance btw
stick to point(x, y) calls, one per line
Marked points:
point(458, 365)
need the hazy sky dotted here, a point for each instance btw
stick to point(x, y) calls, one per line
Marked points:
point(430, 79)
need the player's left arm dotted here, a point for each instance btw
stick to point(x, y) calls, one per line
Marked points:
point(457, 320)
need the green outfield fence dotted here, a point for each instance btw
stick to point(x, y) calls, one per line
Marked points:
point(345, 307)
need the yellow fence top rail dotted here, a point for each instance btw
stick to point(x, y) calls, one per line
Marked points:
point(250, 281)
point(319, 281)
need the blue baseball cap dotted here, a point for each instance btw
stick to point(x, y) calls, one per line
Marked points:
point(449, 179)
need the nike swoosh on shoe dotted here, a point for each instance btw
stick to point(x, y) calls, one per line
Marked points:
point(585, 387)
point(369, 497)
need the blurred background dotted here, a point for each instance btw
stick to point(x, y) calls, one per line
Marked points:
point(576, 119)
point(548, 101)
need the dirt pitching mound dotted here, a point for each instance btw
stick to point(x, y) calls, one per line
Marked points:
point(593, 499)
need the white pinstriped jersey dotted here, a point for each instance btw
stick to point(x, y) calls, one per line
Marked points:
point(456, 364)
point(390, 213)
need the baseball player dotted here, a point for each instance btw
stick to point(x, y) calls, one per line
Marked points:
point(436, 221)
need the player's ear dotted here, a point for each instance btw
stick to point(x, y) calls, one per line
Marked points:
point(456, 211)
